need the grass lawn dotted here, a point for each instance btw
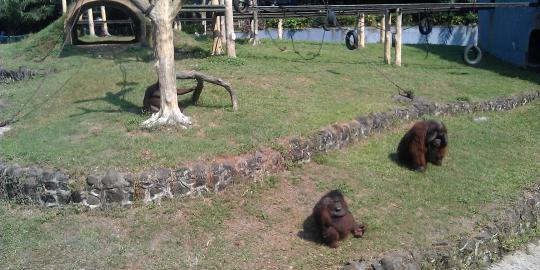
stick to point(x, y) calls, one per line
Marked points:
point(85, 117)
point(258, 225)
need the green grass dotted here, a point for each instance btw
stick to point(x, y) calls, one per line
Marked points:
point(257, 225)
point(86, 114)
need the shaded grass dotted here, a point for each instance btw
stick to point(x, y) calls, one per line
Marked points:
point(264, 225)
point(85, 115)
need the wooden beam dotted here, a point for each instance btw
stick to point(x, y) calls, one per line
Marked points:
point(399, 30)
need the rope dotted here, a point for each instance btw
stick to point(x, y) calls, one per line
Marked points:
point(400, 89)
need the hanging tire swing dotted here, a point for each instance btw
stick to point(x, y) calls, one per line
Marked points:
point(241, 6)
point(474, 50)
point(425, 26)
point(351, 44)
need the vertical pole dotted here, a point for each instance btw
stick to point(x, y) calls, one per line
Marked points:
point(388, 37)
point(280, 29)
point(255, 26)
point(399, 35)
point(361, 30)
point(382, 32)
point(223, 31)
point(91, 22)
point(231, 49)
point(104, 17)
point(217, 47)
point(203, 16)
point(64, 6)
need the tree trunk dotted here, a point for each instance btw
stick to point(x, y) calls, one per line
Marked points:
point(170, 113)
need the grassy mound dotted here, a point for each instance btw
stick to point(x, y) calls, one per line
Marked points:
point(87, 112)
point(39, 45)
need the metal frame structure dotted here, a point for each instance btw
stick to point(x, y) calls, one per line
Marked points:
point(280, 12)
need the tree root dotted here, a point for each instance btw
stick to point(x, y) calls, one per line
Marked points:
point(201, 78)
point(167, 118)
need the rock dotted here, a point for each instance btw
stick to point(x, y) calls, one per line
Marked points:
point(480, 119)
point(92, 201)
point(356, 265)
point(92, 181)
point(114, 195)
point(114, 179)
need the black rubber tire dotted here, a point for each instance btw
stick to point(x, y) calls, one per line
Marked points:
point(466, 57)
point(425, 26)
point(354, 44)
point(241, 6)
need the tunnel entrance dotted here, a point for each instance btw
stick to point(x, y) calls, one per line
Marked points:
point(105, 22)
point(533, 55)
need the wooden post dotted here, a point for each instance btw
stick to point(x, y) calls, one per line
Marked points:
point(382, 32)
point(255, 26)
point(64, 6)
point(104, 17)
point(399, 19)
point(361, 30)
point(223, 31)
point(231, 36)
point(217, 46)
point(91, 22)
point(203, 16)
point(388, 37)
point(280, 29)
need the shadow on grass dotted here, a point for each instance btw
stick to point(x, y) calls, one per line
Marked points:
point(309, 231)
point(116, 52)
point(488, 63)
point(190, 52)
point(394, 158)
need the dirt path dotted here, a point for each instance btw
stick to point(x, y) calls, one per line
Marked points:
point(525, 259)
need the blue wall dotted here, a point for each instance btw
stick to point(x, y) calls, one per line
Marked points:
point(505, 32)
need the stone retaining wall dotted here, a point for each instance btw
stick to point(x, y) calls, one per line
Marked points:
point(469, 252)
point(56, 187)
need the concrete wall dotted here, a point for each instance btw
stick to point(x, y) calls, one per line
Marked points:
point(457, 35)
point(505, 32)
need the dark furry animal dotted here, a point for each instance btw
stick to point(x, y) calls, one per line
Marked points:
point(334, 220)
point(426, 141)
point(152, 98)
